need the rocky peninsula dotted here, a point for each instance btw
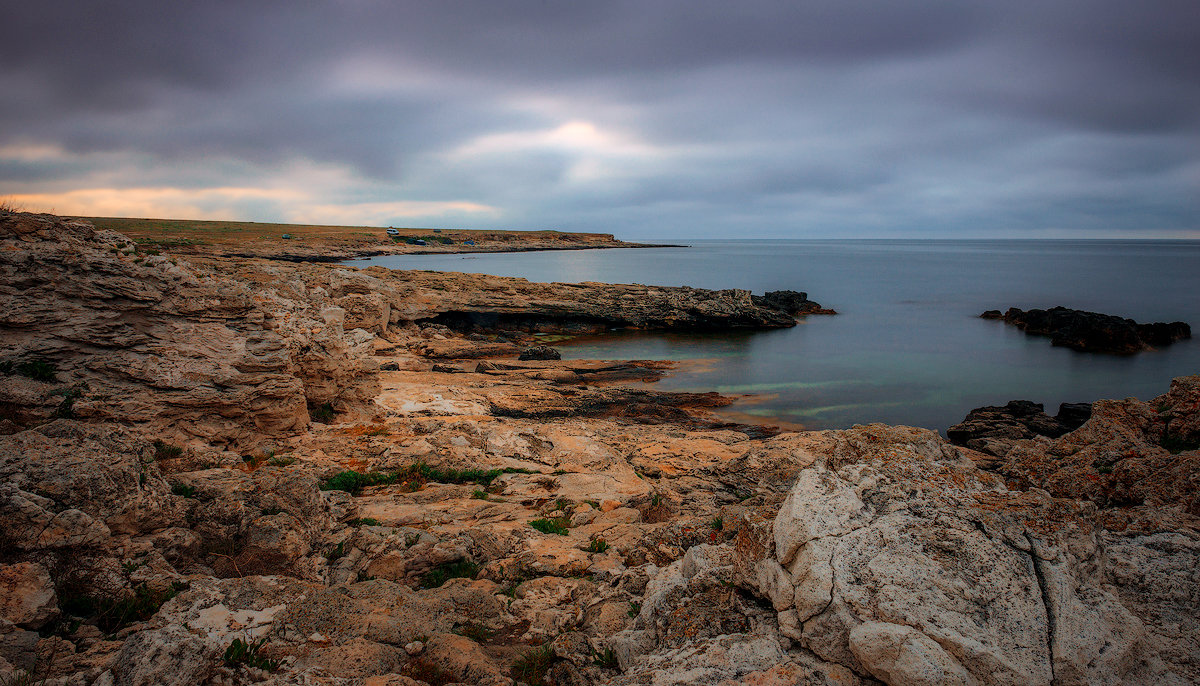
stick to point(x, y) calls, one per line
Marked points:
point(235, 470)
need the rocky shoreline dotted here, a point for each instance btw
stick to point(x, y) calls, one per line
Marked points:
point(220, 470)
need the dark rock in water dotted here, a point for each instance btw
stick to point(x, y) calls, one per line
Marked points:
point(791, 302)
point(1093, 331)
point(992, 314)
point(540, 352)
point(990, 429)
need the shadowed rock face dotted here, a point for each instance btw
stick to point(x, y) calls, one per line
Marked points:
point(1092, 331)
point(1000, 425)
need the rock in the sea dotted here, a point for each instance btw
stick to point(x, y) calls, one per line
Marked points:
point(992, 429)
point(540, 352)
point(792, 302)
point(1093, 331)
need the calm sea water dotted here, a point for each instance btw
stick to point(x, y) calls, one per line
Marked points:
point(908, 346)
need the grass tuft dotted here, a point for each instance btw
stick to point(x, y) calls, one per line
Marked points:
point(459, 569)
point(242, 653)
point(533, 665)
point(555, 525)
point(597, 545)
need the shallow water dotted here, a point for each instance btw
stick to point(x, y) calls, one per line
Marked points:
point(908, 346)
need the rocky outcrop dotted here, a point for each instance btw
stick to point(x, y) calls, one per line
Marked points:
point(1129, 453)
point(125, 335)
point(795, 303)
point(1092, 331)
point(992, 429)
point(895, 557)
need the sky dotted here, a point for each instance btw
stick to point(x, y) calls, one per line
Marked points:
point(647, 118)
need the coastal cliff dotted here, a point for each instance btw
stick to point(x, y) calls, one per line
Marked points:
point(231, 471)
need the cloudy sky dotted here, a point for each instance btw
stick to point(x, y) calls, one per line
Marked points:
point(647, 118)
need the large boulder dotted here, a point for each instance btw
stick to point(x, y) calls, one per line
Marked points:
point(896, 557)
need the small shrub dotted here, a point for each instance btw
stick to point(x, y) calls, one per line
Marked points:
point(533, 665)
point(635, 609)
point(479, 495)
point(606, 659)
point(242, 653)
point(459, 569)
point(322, 413)
point(185, 490)
point(1175, 444)
point(597, 545)
point(717, 524)
point(166, 451)
point(555, 525)
point(421, 669)
point(38, 370)
point(112, 614)
point(476, 632)
point(364, 521)
point(66, 409)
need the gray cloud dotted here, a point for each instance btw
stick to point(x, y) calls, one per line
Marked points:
point(828, 117)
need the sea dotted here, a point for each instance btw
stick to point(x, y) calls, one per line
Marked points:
point(907, 345)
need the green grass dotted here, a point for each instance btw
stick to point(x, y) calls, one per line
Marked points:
point(242, 653)
point(185, 490)
point(533, 665)
point(606, 659)
point(717, 524)
point(415, 475)
point(597, 545)
point(165, 451)
point(1175, 444)
point(459, 569)
point(554, 525)
point(479, 495)
point(321, 413)
point(476, 632)
point(38, 370)
point(113, 614)
point(364, 521)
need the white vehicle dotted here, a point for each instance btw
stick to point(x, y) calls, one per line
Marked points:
point(393, 232)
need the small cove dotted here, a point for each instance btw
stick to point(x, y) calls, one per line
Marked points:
point(908, 346)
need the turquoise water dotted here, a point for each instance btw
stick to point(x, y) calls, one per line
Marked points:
point(908, 346)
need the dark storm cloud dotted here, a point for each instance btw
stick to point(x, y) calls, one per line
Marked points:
point(828, 116)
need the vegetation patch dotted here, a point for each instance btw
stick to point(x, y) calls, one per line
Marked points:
point(166, 451)
point(533, 665)
point(554, 525)
point(459, 569)
point(476, 632)
point(185, 490)
point(597, 545)
point(364, 521)
point(423, 670)
point(38, 370)
point(111, 614)
point(322, 413)
point(242, 653)
point(1175, 444)
point(606, 659)
point(414, 476)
